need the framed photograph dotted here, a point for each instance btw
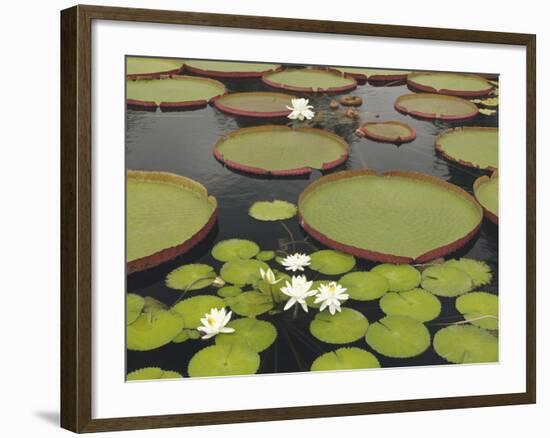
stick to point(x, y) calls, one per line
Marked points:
point(270, 218)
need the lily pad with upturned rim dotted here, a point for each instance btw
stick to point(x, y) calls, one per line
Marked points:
point(309, 80)
point(486, 193)
point(416, 303)
point(364, 286)
point(191, 277)
point(252, 333)
point(240, 272)
point(446, 281)
point(152, 330)
point(345, 358)
point(400, 277)
point(281, 150)
point(151, 67)
point(262, 104)
point(466, 344)
point(223, 360)
point(478, 271)
point(389, 132)
point(343, 327)
point(374, 75)
point(331, 262)
point(191, 310)
point(479, 308)
point(152, 373)
point(235, 249)
point(134, 305)
point(470, 146)
point(250, 303)
point(228, 69)
point(272, 210)
point(436, 107)
point(454, 84)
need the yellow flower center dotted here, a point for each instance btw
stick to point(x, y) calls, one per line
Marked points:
point(211, 321)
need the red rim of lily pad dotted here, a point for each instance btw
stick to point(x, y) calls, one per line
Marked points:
point(285, 172)
point(168, 254)
point(310, 90)
point(400, 105)
point(415, 85)
point(219, 102)
point(389, 139)
point(439, 146)
point(379, 79)
point(378, 256)
point(477, 184)
point(227, 74)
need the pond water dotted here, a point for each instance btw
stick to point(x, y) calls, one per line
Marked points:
point(181, 142)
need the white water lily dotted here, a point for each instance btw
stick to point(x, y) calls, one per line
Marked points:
point(296, 262)
point(300, 110)
point(298, 289)
point(330, 295)
point(218, 282)
point(269, 276)
point(214, 323)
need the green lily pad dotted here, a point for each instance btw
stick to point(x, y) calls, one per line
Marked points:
point(229, 291)
point(265, 256)
point(446, 281)
point(389, 131)
point(374, 75)
point(486, 193)
point(330, 262)
point(343, 327)
point(224, 360)
point(191, 310)
point(242, 271)
point(144, 66)
point(228, 69)
point(466, 344)
point(416, 303)
point(364, 286)
point(398, 336)
point(455, 84)
point(470, 146)
point(191, 277)
point(436, 106)
point(235, 249)
point(252, 333)
point(480, 309)
point(479, 271)
point(345, 359)
point(134, 305)
point(185, 335)
point(309, 80)
point(153, 330)
point(152, 373)
point(400, 277)
point(255, 104)
point(250, 303)
point(272, 210)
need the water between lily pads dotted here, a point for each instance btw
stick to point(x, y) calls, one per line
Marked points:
point(181, 142)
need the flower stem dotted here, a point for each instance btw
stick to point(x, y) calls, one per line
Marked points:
point(295, 313)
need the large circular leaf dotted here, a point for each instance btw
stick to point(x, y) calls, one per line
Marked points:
point(191, 277)
point(343, 327)
point(242, 272)
point(193, 309)
point(224, 360)
point(345, 359)
point(416, 303)
point(252, 333)
point(470, 146)
point(374, 76)
point(153, 330)
point(466, 344)
point(330, 262)
point(255, 104)
point(309, 80)
point(400, 277)
point(446, 281)
point(486, 193)
point(436, 107)
point(250, 303)
point(272, 210)
point(234, 249)
point(480, 309)
point(479, 271)
point(455, 84)
point(152, 67)
point(152, 373)
point(389, 132)
point(228, 69)
point(134, 305)
point(364, 286)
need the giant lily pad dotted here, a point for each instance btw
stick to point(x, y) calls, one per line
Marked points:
point(280, 150)
point(466, 344)
point(151, 67)
point(397, 216)
point(486, 193)
point(470, 146)
point(242, 271)
point(152, 373)
point(191, 277)
point(375, 76)
point(436, 107)
point(228, 69)
point(343, 327)
point(153, 330)
point(134, 305)
point(309, 80)
point(480, 309)
point(416, 303)
point(400, 277)
point(364, 286)
point(235, 249)
point(330, 262)
point(272, 210)
point(177, 92)
point(446, 281)
point(398, 336)
point(389, 132)
point(166, 215)
point(224, 360)
point(455, 84)
point(345, 359)
point(252, 333)
point(255, 104)
point(250, 303)
point(478, 271)
point(191, 310)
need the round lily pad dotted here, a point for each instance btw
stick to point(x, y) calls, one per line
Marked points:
point(486, 193)
point(374, 75)
point(255, 104)
point(235, 249)
point(466, 344)
point(309, 80)
point(345, 359)
point(152, 373)
point(397, 216)
point(436, 107)
point(151, 67)
point(191, 310)
point(446, 281)
point(480, 309)
point(166, 215)
point(252, 333)
point(343, 327)
point(185, 335)
point(416, 303)
point(479, 271)
point(242, 271)
point(281, 150)
point(153, 330)
point(224, 360)
point(177, 92)
point(470, 146)
point(400, 277)
point(229, 291)
point(266, 255)
point(272, 210)
point(228, 69)
point(455, 84)
point(250, 303)
point(364, 286)
point(330, 262)
point(191, 277)
point(389, 132)
point(398, 336)
point(134, 305)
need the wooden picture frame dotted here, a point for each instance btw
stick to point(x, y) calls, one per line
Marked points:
point(76, 217)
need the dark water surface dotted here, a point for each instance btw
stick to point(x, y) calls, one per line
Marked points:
point(181, 142)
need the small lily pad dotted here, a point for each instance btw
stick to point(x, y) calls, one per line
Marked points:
point(153, 330)
point(242, 271)
point(345, 359)
point(224, 360)
point(400, 277)
point(479, 271)
point(446, 281)
point(416, 303)
point(331, 262)
point(466, 344)
point(364, 286)
point(343, 327)
point(398, 336)
point(134, 305)
point(479, 308)
point(185, 335)
point(235, 249)
point(252, 333)
point(272, 210)
point(191, 277)
point(265, 256)
point(250, 303)
point(229, 291)
point(152, 373)
point(193, 309)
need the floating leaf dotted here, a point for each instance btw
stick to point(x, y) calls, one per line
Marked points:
point(343, 327)
point(152, 373)
point(400, 277)
point(265, 256)
point(491, 101)
point(191, 277)
point(272, 210)
point(242, 271)
point(479, 271)
point(486, 193)
point(153, 330)
point(345, 359)
point(466, 344)
point(309, 80)
point(185, 335)
point(456, 84)
point(364, 286)
point(235, 249)
point(193, 309)
point(446, 281)
point(252, 333)
point(255, 104)
point(331, 262)
point(390, 131)
point(145, 66)
point(250, 303)
point(152, 304)
point(436, 106)
point(487, 111)
point(416, 303)
point(134, 305)
point(470, 146)
point(228, 69)
point(398, 336)
point(229, 291)
point(224, 360)
point(480, 309)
